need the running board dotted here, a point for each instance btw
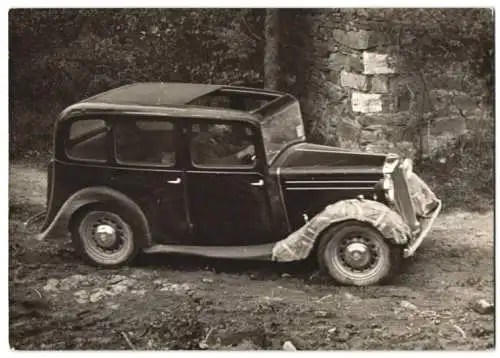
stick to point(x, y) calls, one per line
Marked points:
point(253, 252)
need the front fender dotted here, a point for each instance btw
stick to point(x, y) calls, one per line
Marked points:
point(97, 195)
point(298, 245)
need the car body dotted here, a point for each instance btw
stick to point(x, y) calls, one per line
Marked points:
point(226, 171)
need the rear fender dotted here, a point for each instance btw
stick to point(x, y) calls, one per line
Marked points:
point(300, 244)
point(102, 195)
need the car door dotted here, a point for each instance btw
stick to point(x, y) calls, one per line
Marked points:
point(228, 200)
point(148, 168)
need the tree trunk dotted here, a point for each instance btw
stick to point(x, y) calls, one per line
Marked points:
point(271, 50)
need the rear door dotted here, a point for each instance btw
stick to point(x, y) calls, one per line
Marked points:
point(147, 157)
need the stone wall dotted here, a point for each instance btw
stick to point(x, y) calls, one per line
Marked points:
point(351, 96)
point(356, 96)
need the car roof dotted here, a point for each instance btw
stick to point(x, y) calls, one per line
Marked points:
point(208, 113)
point(167, 98)
point(164, 93)
point(154, 94)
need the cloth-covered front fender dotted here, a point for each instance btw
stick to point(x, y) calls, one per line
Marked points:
point(298, 245)
point(97, 195)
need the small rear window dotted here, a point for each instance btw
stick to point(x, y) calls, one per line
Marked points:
point(87, 140)
point(82, 127)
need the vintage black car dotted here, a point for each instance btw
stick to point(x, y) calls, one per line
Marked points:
point(226, 171)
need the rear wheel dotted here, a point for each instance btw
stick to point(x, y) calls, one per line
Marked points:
point(354, 253)
point(103, 236)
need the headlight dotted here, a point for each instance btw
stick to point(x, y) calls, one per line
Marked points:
point(388, 186)
point(391, 162)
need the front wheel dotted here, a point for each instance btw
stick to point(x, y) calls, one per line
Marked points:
point(354, 253)
point(103, 237)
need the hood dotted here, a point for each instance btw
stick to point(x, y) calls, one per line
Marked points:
point(315, 155)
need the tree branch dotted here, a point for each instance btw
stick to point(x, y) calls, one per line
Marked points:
point(250, 32)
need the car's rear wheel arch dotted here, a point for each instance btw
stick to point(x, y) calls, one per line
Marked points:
point(122, 203)
point(78, 214)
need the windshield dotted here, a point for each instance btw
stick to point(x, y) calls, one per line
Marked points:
point(281, 127)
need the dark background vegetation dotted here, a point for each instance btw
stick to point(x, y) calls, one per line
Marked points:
point(59, 56)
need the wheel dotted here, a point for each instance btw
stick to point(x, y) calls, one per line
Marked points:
point(103, 237)
point(355, 253)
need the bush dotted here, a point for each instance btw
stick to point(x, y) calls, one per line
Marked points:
point(31, 129)
point(461, 173)
point(60, 56)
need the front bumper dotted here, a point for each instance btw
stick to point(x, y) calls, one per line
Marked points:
point(426, 225)
point(416, 203)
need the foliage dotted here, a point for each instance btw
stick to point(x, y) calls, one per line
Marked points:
point(462, 172)
point(59, 56)
point(468, 38)
point(429, 38)
point(449, 49)
point(103, 48)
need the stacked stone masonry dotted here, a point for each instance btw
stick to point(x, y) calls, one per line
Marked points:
point(360, 75)
point(356, 97)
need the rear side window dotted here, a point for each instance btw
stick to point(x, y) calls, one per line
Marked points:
point(87, 140)
point(147, 142)
point(85, 126)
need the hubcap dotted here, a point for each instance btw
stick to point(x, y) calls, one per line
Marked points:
point(357, 255)
point(105, 235)
point(107, 239)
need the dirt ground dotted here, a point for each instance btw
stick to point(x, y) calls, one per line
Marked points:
point(173, 302)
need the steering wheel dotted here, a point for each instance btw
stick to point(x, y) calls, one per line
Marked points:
point(248, 158)
point(247, 155)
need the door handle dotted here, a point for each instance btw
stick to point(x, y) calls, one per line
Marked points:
point(258, 183)
point(176, 181)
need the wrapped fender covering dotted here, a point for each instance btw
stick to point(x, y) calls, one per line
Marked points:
point(299, 244)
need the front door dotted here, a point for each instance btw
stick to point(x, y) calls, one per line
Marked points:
point(148, 169)
point(228, 198)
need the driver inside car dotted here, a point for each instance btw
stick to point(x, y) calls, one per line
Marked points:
point(222, 145)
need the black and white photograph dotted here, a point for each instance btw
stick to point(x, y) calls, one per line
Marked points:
point(247, 179)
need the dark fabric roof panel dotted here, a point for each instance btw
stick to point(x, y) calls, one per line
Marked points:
point(155, 94)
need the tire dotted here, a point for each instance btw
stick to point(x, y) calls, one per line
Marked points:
point(118, 249)
point(336, 255)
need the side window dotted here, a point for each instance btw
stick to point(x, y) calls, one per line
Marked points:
point(145, 142)
point(222, 145)
point(87, 140)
